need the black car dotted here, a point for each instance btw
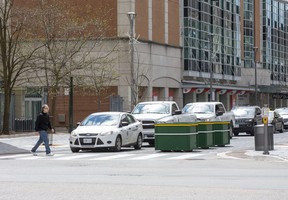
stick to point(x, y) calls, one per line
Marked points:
point(246, 117)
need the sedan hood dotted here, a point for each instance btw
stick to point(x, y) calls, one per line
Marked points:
point(150, 116)
point(94, 129)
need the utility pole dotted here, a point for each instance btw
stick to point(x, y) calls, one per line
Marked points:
point(211, 35)
point(131, 16)
point(211, 67)
point(71, 106)
point(255, 49)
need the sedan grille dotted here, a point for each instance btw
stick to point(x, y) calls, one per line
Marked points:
point(87, 141)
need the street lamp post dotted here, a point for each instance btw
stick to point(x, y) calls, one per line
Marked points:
point(131, 16)
point(211, 35)
point(211, 67)
point(255, 66)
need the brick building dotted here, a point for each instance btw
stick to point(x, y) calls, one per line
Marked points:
point(157, 59)
point(176, 44)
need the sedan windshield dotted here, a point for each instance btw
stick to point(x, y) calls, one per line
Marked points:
point(101, 120)
point(152, 109)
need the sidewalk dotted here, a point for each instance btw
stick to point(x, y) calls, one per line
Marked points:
point(23, 142)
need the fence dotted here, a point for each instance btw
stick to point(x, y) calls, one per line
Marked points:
point(23, 125)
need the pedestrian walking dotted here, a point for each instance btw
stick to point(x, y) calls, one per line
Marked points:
point(42, 125)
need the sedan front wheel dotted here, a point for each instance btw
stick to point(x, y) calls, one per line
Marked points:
point(74, 150)
point(118, 144)
point(138, 144)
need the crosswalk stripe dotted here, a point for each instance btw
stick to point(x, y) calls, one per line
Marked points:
point(113, 157)
point(31, 157)
point(76, 156)
point(94, 156)
point(184, 157)
point(40, 156)
point(15, 156)
point(148, 157)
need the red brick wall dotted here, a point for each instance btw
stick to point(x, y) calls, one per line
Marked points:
point(158, 24)
point(104, 10)
point(84, 105)
point(173, 23)
point(141, 21)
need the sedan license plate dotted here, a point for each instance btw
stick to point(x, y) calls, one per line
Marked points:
point(87, 140)
point(236, 126)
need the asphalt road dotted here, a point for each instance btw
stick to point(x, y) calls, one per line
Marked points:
point(136, 175)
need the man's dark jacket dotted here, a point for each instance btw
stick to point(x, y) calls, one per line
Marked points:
point(42, 122)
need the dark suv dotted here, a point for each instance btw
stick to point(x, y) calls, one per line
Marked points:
point(246, 117)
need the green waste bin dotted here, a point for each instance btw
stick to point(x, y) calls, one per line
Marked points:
point(221, 134)
point(176, 136)
point(205, 135)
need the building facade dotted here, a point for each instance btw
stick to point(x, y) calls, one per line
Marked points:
point(238, 47)
point(185, 50)
point(157, 59)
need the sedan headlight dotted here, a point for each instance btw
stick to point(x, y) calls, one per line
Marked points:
point(106, 133)
point(73, 133)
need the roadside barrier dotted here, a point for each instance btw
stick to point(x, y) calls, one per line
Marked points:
point(189, 136)
point(176, 137)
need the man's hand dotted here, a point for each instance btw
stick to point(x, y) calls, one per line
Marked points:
point(52, 130)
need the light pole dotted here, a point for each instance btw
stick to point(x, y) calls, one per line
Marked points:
point(212, 95)
point(255, 49)
point(131, 16)
point(211, 66)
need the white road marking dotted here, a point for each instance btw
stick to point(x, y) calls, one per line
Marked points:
point(184, 156)
point(224, 155)
point(99, 156)
point(15, 156)
point(80, 156)
point(113, 157)
point(148, 157)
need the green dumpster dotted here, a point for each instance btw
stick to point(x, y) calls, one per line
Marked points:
point(221, 134)
point(205, 135)
point(176, 136)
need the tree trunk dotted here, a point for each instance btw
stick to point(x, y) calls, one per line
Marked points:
point(6, 115)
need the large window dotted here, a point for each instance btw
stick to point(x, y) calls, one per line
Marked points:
point(222, 19)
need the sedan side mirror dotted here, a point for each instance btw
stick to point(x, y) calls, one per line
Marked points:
point(123, 123)
point(78, 123)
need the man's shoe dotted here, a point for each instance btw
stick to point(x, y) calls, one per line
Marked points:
point(34, 153)
point(50, 154)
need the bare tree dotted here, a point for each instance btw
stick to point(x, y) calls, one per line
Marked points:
point(16, 52)
point(70, 42)
point(98, 77)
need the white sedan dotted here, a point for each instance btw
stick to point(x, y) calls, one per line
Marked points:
point(111, 130)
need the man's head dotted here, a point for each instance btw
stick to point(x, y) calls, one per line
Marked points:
point(45, 108)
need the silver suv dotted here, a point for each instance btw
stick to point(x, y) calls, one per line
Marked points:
point(151, 112)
